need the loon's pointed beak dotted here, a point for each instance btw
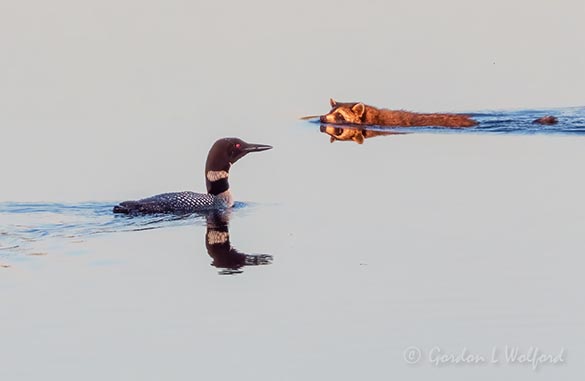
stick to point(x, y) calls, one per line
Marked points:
point(251, 147)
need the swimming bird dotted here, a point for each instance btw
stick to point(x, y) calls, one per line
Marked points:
point(220, 158)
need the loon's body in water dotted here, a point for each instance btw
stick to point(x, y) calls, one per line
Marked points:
point(222, 155)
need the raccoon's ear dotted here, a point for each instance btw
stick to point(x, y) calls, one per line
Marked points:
point(332, 102)
point(359, 139)
point(331, 139)
point(359, 109)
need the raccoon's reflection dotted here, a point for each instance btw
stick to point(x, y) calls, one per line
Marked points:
point(353, 133)
point(225, 257)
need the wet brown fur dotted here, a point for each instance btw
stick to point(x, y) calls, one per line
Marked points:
point(361, 114)
point(546, 120)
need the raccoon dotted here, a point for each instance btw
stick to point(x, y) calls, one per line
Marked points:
point(361, 114)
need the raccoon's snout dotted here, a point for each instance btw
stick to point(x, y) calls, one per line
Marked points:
point(331, 118)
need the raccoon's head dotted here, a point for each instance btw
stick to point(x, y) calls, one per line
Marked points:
point(344, 113)
point(343, 133)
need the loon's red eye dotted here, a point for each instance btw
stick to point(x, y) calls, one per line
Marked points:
point(237, 145)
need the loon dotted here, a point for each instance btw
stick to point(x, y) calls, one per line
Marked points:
point(220, 158)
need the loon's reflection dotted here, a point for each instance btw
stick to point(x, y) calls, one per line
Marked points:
point(225, 257)
point(353, 133)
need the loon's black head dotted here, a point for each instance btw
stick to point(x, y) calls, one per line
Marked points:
point(222, 155)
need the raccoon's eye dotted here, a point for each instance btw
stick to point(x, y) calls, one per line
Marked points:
point(339, 118)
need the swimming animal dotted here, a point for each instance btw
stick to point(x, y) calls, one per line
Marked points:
point(361, 114)
point(220, 158)
point(546, 120)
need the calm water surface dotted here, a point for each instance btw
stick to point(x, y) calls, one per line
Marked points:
point(340, 257)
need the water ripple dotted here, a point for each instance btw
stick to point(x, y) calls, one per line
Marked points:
point(25, 226)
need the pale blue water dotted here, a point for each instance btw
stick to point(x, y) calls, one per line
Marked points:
point(345, 256)
point(571, 121)
point(35, 228)
point(26, 227)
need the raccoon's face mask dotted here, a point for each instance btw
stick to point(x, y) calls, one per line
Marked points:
point(344, 113)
